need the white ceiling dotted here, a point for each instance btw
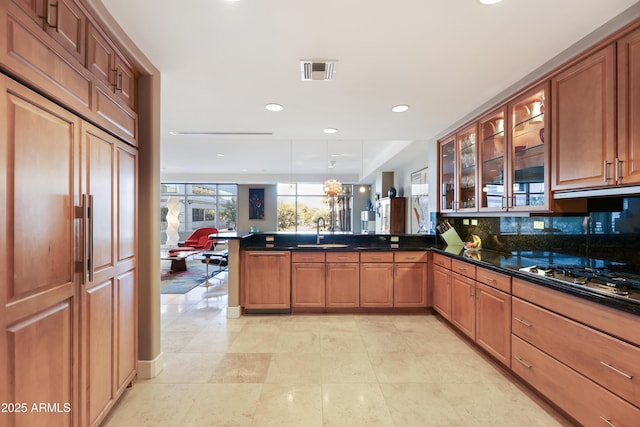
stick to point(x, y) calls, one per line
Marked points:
point(222, 61)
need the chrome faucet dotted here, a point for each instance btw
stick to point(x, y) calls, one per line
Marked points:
point(318, 236)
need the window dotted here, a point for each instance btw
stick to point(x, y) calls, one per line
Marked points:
point(300, 205)
point(198, 205)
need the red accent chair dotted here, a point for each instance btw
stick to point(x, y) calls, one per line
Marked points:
point(198, 241)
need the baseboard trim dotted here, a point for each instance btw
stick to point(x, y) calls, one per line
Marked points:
point(234, 312)
point(148, 369)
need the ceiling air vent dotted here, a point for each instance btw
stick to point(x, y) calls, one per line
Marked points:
point(317, 70)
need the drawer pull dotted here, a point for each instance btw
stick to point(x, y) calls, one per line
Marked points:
point(528, 325)
point(489, 279)
point(624, 374)
point(343, 257)
point(607, 421)
point(526, 365)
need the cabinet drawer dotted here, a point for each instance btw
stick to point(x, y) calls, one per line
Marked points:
point(307, 257)
point(376, 257)
point(463, 268)
point(416, 256)
point(343, 257)
point(584, 400)
point(442, 261)
point(608, 361)
point(494, 279)
point(606, 319)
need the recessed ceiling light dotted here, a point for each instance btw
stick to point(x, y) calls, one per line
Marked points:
point(274, 107)
point(335, 155)
point(490, 1)
point(220, 155)
point(400, 108)
point(330, 130)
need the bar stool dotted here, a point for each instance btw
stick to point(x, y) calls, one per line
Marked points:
point(221, 259)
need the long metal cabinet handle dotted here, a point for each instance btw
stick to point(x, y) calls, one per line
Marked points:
point(91, 215)
point(46, 21)
point(606, 170)
point(607, 421)
point(617, 170)
point(85, 220)
point(526, 365)
point(528, 325)
point(614, 369)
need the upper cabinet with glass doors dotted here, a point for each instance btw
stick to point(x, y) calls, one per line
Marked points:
point(528, 189)
point(507, 169)
point(459, 171)
point(493, 161)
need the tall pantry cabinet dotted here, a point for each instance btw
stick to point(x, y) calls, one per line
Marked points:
point(68, 190)
point(68, 301)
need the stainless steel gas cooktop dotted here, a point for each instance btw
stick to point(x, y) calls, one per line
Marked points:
point(619, 285)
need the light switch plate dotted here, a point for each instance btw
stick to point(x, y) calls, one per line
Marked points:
point(465, 222)
point(474, 222)
point(538, 225)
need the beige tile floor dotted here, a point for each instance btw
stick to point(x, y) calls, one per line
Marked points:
point(320, 370)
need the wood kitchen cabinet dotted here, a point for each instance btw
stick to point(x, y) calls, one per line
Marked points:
point(493, 167)
point(308, 280)
point(67, 57)
point(562, 339)
point(527, 186)
point(442, 285)
point(463, 304)
point(584, 123)
point(628, 161)
point(588, 403)
point(266, 280)
point(69, 326)
point(410, 279)
point(458, 171)
point(376, 279)
point(493, 314)
point(343, 280)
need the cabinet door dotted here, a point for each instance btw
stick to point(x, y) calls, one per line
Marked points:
point(463, 304)
point(492, 154)
point(266, 279)
point(628, 171)
point(447, 167)
point(442, 291)
point(410, 285)
point(307, 285)
point(343, 285)
point(583, 123)
point(39, 159)
point(467, 179)
point(376, 285)
point(493, 322)
point(528, 183)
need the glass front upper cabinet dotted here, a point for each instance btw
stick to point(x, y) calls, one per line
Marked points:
point(467, 165)
point(493, 161)
point(529, 151)
point(447, 174)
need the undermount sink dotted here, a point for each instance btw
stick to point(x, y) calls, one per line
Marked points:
point(323, 245)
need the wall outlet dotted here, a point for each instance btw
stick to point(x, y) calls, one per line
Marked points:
point(538, 225)
point(474, 222)
point(465, 222)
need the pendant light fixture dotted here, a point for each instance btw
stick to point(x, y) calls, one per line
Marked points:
point(331, 187)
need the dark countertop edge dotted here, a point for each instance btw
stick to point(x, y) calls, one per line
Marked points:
point(628, 306)
point(345, 249)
